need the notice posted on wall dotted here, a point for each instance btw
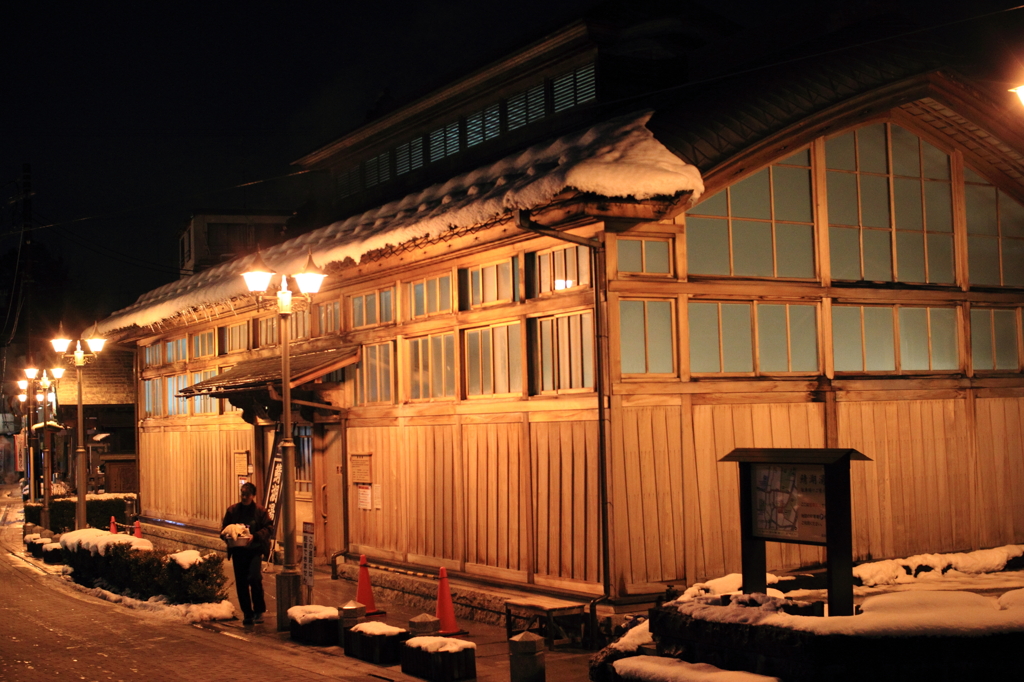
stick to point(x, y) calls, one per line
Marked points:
point(364, 497)
point(789, 502)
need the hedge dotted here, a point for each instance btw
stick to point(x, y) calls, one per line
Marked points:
point(98, 510)
point(143, 574)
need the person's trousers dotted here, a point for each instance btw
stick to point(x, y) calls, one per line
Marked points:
point(248, 567)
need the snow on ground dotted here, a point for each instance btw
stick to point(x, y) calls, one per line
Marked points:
point(661, 669)
point(729, 584)
point(186, 558)
point(894, 571)
point(636, 637)
point(439, 644)
point(374, 627)
point(98, 544)
point(311, 612)
point(192, 613)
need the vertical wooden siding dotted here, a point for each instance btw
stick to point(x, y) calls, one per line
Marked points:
point(1000, 480)
point(564, 469)
point(496, 517)
point(717, 429)
point(915, 495)
point(187, 475)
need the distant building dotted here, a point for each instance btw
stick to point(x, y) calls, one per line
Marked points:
point(562, 287)
point(214, 237)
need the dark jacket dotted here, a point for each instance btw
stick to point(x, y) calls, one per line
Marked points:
point(258, 521)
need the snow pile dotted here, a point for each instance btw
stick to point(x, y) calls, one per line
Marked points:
point(186, 558)
point(30, 537)
point(893, 571)
point(192, 613)
point(663, 669)
point(439, 644)
point(103, 496)
point(234, 530)
point(898, 614)
point(73, 539)
point(51, 546)
point(616, 158)
point(729, 584)
point(311, 612)
point(98, 544)
point(374, 627)
point(636, 637)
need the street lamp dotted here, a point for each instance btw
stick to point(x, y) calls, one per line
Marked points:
point(79, 358)
point(40, 386)
point(257, 279)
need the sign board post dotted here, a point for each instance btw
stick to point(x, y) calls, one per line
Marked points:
point(802, 496)
point(307, 559)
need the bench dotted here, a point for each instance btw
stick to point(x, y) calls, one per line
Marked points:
point(557, 620)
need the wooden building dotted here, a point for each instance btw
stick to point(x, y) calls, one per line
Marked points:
point(542, 327)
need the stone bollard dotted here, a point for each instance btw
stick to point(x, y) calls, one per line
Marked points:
point(424, 625)
point(526, 657)
point(29, 528)
point(349, 614)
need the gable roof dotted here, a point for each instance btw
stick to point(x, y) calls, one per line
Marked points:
point(616, 158)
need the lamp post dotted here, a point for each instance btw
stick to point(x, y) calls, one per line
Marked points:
point(79, 358)
point(33, 385)
point(257, 279)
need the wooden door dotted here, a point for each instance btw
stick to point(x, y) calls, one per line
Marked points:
point(331, 511)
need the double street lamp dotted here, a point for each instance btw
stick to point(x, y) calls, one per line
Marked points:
point(258, 279)
point(39, 386)
point(78, 358)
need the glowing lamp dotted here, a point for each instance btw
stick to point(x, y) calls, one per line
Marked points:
point(39, 397)
point(1020, 92)
point(23, 384)
point(22, 397)
point(95, 343)
point(258, 277)
point(61, 343)
point(57, 372)
point(31, 372)
point(284, 297)
point(311, 277)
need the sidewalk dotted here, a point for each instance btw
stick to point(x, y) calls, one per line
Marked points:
point(492, 662)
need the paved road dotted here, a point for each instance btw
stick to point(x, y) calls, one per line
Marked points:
point(49, 631)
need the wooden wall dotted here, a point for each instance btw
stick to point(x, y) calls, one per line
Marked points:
point(186, 472)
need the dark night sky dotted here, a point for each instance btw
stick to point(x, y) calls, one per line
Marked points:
point(135, 114)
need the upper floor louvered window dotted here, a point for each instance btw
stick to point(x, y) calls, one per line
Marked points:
point(574, 87)
point(347, 183)
point(378, 169)
point(483, 125)
point(409, 156)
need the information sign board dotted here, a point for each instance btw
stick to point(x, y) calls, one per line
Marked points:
point(789, 502)
point(308, 550)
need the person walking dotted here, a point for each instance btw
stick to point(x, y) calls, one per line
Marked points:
point(248, 518)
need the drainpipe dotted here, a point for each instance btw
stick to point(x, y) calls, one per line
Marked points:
point(522, 220)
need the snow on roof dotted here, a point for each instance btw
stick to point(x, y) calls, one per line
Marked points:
point(618, 158)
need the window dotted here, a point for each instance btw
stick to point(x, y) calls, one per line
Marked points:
point(563, 268)
point(303, 437)
point(432, 367)
point(373, 375)
point(722, 337)
point(494, 283)
point(760, 227)
point(373, 308)
point(298, 324)
point(444, 141)
point(995, 234)
point(913, 242)
point(378, 169)
point(174, 384)
point(235, 337)
point(430, 296)
point(494, 360)
point(645, 256)
point(483, 125)
point(646, 341)
point(154, 355)
point(865, 339)
point(574, 88)
point(204, 404)
point(409, 156)
point(347, 183)
point(266, 332)
point(175, 350)
point(329, 317)
point(563, 352)
point(995, 339)
point(204, 344)
point(151, 390)
point(526, 107)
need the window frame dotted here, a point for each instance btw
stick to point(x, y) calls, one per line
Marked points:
point(410, 290)
point(493, 360)
point(415, 383)
point(1018, 341)
point(513, 263)
point(535, 343)
point(378, 306)
point(536, 271)
point(207, 337)
point(644, 239)
point(673, 340)
point(899, 370)
point(362, 368)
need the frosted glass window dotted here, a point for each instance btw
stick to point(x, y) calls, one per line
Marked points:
point(847, 341)
point(994, 336)
point(737, 349)
point(431, 375)
point(942, 332)
point(860, 185)
point(927, 336)
point(759, 227)
point(647, 256)
point(772, 333)
point(722, 337)
point(373, 374)
point(704, 340)
point(646, 338)
point(995, 235)
point(563, 268)
point(914, 338)
point(494, 283)
point(803, 338)
point(564, 352)
point(879, 343)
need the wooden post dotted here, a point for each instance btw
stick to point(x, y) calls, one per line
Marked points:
point(752, 551)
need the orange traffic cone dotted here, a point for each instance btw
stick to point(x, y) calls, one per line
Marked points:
point(113, 525)
point(138, 529)
point(445, 608)
point(364, 591)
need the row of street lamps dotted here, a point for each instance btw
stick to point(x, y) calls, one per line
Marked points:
point(43, 384)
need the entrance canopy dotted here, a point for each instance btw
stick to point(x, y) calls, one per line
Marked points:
point(251, 375)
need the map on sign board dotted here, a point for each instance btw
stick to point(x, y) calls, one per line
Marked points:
point(789, 502)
